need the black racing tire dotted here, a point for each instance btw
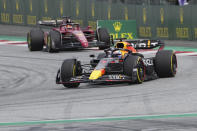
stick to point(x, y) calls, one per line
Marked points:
point(68, 70)
point(101, 55)
point(138, 54)
point(166, 63)
point(134, 62)
point(35, 39)
point(53, 37)
point(102, 35)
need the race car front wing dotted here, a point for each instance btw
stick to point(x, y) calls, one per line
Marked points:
point(105, 78)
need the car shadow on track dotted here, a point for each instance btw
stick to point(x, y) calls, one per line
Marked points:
point(93, 86)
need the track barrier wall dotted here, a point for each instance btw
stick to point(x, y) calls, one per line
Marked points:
point(153, 21)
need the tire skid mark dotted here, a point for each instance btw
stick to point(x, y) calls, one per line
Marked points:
point(20, 81)
point(5, 75)
point(15, 80)
point(89, 98)
point(23, 57)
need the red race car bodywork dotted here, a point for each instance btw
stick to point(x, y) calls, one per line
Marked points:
point(66, 35)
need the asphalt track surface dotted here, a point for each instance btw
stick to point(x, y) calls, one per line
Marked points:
point(31, 101)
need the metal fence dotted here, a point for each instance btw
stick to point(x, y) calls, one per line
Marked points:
point(153, 21)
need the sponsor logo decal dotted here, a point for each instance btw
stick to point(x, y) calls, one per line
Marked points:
point(116, 77)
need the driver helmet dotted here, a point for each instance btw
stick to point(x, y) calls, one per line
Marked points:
point(69, 26)
point(117, 54)
point(68, 20)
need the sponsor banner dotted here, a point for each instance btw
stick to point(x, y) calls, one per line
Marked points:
point(119, 28)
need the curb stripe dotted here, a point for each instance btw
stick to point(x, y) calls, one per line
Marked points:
point(19, 43)
point(3, 40)
point(101, 119)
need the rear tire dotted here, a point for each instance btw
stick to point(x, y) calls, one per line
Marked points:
point(68, 70)
point(53, 41)
point(102, 35)
point(165, 63)
point(134, 62)
point(35, 39)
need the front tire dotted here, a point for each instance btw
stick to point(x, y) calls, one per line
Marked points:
point(134, 67)
point(53, 41)
point(35, 40)
point(69, 69)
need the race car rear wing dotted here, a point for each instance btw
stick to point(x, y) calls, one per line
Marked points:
point(55, 23)
point(50, 22)
point(146, 44)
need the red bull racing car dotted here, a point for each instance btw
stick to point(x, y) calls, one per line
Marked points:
point(120, 64)
point(66, 34)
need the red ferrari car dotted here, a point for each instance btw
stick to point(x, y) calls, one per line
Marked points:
point(66, 34)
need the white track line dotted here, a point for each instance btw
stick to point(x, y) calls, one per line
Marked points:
point(186, 54)
point(8, 42)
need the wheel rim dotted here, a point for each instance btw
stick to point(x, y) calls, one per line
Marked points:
point(173, 64)
point(74, 70)
point(140, 71)
point(49, 44)
point(29, 41)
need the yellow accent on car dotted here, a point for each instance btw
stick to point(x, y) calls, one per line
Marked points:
point(139, 71)
point(96, 74)
point(148, 43)
point(74, 72)
point(48, 41)
point(123, 53)
point(138, 77)
point(172, 69)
